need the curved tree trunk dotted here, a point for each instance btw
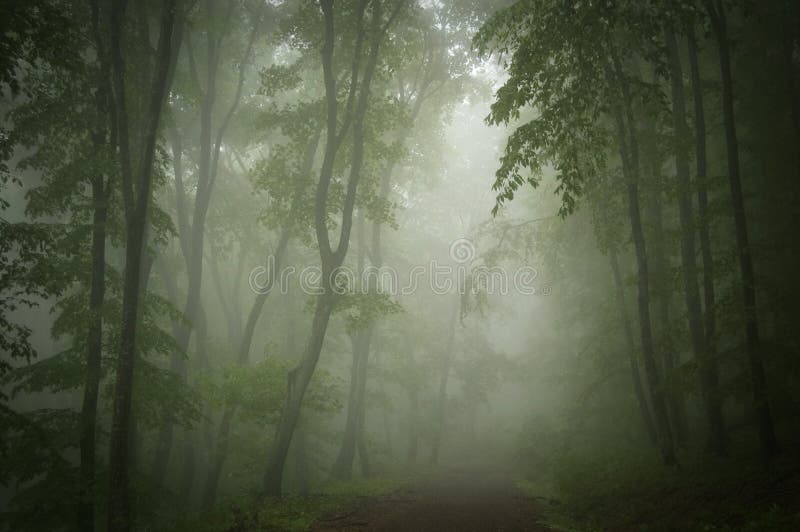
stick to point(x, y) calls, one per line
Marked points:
point(192, 235)
point(330, 258)
point(221, 449)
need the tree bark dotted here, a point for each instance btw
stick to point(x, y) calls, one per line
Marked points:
point(708, 385)
point(791, 34)
point(299, 377)
point(444, 377)
point(675, 397)
point(413, 414)
point(94, 340)
point(220, 453)
point(630, 165)
point(136, 196)
point(636, 380)
point(766, 431)
point(192, 235)
point(94, 345)
point(710, 371)
point(343, 466)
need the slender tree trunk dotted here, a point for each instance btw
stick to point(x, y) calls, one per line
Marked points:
point(713, 407)
point(218, 459)
point(93, 357)
point(630, 159)
point(301, 458)
point(710, 371)
point(675, 398)
point(330, 258)
point(343, 467)
point(353, 438)
point(413, 418)
point(791, 30)
point(444, 377)
point(638, 389)
point(387, 431)
point(363, 451)
point(676, 402)
point(94, 340)
point(766, 431)
point(220, 454)
point(136, 197)
point(192, 238)
point(297, 382)
point(221, 448)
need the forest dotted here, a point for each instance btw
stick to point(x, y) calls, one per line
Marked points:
point(424, 265)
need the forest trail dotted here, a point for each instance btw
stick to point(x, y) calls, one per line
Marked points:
point(458, 500)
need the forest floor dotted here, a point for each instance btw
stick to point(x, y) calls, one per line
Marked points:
point(455, 500)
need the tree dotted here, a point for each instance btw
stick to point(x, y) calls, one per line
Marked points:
point(697, 333)
point(136, 181)
point(766, 431)
point(557, 68)
point(331, 258)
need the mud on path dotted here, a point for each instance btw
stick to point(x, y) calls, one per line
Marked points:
point(462, 501)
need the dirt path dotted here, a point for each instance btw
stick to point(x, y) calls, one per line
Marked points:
point(455, 501)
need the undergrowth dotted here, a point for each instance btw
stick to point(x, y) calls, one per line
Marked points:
point(604, 490)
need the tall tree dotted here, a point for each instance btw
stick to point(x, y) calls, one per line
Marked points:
point(680, 130)
point(629, 153)
point(766, 431)
point(638, 389)
point(331, 258)
point(136, 176)
point(709, 369)
point(101, 188)
point(191, 232)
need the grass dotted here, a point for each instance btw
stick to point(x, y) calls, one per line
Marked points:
point(291, 512)
point(599, 491)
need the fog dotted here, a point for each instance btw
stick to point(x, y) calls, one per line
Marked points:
point(399, 265)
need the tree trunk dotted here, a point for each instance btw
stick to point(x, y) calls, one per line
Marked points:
point(766, 431)
point(297, 382)
point(301, 458)
point(192, 237)
point(330, 258)
point(710, 370)
point(136, 198)
point(413, 420)
point(709, 388)
point(630, 160)
point(444, 376)
point(343, 467)
point(363, 452)
point(638, 389)
point(791, 30)
point(218, 459)
point(675, 398)
point(94, 346)
point(94, 340)
point(249, 330)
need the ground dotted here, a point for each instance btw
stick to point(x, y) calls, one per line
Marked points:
point(460, 500)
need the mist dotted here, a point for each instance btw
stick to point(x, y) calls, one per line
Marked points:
point(399, 265)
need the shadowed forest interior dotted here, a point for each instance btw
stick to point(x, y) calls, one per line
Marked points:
point(399, 265)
